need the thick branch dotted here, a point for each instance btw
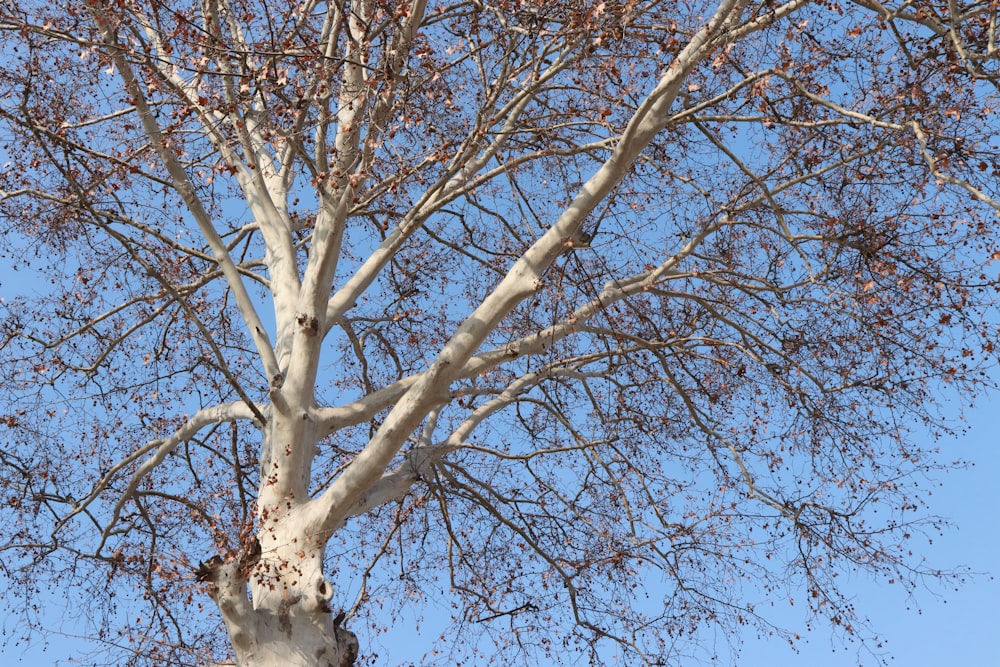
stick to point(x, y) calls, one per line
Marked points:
point(521, 281)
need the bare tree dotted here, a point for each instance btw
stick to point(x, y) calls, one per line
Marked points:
point(337, 304)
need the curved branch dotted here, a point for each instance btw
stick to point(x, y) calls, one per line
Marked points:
point(225, 412)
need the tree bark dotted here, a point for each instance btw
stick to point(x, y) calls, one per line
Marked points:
point(273, 596)
point(289, 623)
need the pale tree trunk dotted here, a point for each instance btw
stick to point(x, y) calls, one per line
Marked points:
point(293, 627)
point(286, 620)
point(273, 597)
point(289, 622)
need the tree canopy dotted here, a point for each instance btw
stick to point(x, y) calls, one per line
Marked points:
point(609, 324)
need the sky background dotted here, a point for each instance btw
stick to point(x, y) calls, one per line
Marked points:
point(949, 627)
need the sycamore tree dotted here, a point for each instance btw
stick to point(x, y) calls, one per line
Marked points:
point(596, 328)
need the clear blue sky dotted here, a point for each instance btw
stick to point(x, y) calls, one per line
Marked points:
point(942, 627)
point(952, 627)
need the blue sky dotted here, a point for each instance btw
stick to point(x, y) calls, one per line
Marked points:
point(950, 627)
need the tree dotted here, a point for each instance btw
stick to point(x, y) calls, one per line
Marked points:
point(348, 302)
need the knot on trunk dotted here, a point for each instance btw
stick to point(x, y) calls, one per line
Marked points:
point(208, 570)
point(319, 600)
point(349, 646)
point(249, 556)
point(308, 323)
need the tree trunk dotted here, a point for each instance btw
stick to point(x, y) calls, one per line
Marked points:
point(286, 621)
point(290, 623)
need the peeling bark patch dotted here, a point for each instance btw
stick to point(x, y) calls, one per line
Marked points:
point(308, 323)
point(284, 615)
point(347, 642)
point(285, 623)
point(249, 556)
